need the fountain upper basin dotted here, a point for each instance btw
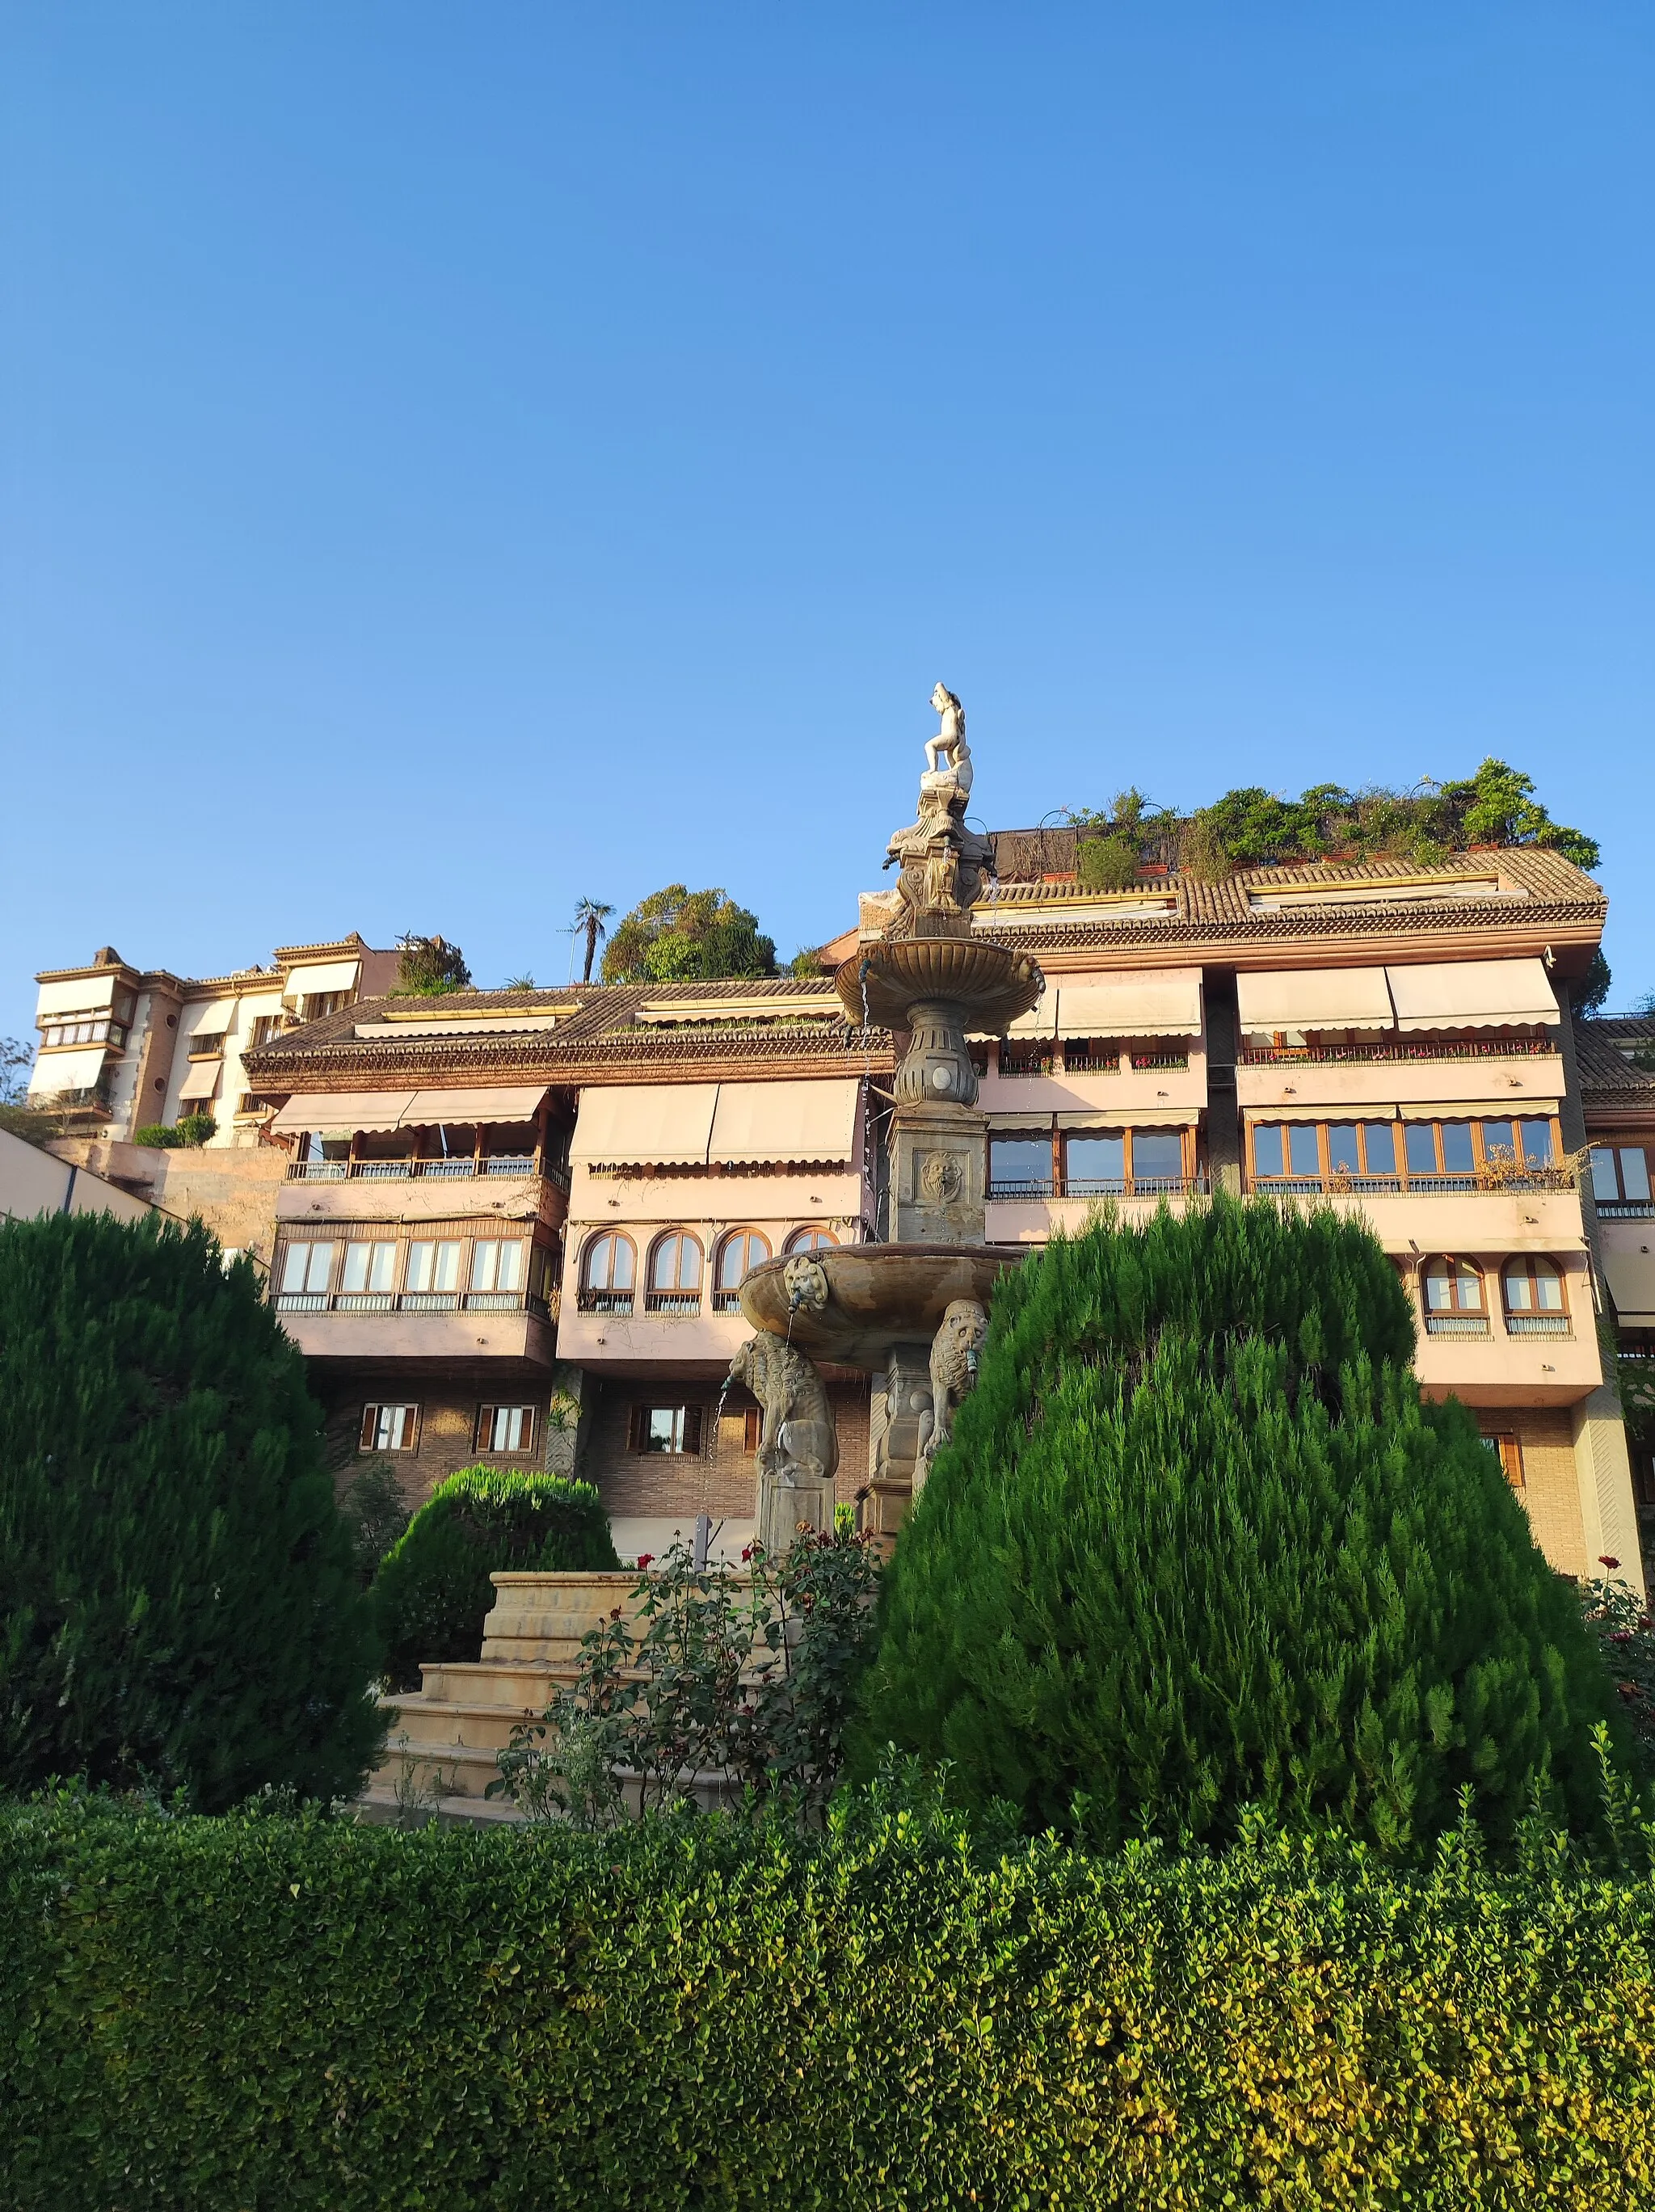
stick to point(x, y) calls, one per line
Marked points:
point(990, 981)
point(878, 1295)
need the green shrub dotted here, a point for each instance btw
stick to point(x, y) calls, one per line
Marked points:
point(320, 2017)
point(1198, 1545)
point(1109, 864)
point(176, 1587)
point(172, 1136)
point(433, 1591)
point(375, 1513)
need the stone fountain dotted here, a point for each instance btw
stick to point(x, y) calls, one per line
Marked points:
point(913, 1312)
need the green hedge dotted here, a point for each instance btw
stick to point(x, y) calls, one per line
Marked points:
point(249, 2013)
point(432, 1592)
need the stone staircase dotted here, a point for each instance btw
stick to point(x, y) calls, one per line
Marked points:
point(440, 1754)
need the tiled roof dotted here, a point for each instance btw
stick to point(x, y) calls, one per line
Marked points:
point(1607, 1077)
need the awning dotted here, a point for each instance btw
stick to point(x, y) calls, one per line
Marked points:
point(1138, 1002)
point(1343, 1113)
point(202, 1081)
point(1314, 999)
point(1471, 994)
point(1132, 1117)
point(78, 1070)
point(465, 1109)
point(325, 975)
point(211, 1020)
point(755, 1122)
point(1040, 1021)
point(1508, 1108)
point(345, 1111)
point(645, 1125)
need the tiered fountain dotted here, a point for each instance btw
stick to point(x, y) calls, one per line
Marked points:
point(911, 1312)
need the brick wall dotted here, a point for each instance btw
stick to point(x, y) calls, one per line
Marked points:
point(448, 1429)
point(721, 1477)
point(1551, 1490)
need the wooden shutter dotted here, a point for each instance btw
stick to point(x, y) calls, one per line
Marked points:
point(692, 1428)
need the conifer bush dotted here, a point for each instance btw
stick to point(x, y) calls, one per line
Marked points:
point(1199, 1544)
point(178, 1595)
point(432, 1592)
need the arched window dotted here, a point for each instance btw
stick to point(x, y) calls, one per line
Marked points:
point(742, 1250)
point(1535, 1302)
point(674, 1274)
point(607, 1275)
point(813, 1239)
point(1453, 1298)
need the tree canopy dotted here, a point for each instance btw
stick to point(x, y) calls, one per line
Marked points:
point(429, 967)
point(676, 935)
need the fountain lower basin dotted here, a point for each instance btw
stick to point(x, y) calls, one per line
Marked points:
point(878, 1296)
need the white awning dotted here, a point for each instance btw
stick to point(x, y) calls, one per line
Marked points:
point(1138, 1002)
point(345, 1111)
point(645, 1125)
point(757, 1122)
point(1132, 1117)
point(1314, 999)
point(210, 1020)
point(1039, 1021)
point(1472, 1110)
point(323, 975)
point(202, 1080)
point(458, 1108)
point(1341, 1114)
point(78, 1070)
point(1471, 994)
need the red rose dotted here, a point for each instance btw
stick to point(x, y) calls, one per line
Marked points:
point(644, 1561)
point(1605, 1560)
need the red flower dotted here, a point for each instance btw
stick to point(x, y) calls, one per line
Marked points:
point(1605, 1560)
point(644, 1561)
point(747, 1554)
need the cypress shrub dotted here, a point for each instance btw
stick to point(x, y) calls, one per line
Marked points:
point(1199, 1544)
point(433, 1591)
point(177, 1592)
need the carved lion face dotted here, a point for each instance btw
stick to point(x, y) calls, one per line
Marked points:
point(966, 1323)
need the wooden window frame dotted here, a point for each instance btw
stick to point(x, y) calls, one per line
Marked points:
point(721, 1245)
point(1404, 1175)
point(1508, 1450)
point(482, 1428)
point(791, 1245)
point(1526, 1263)
point(585, 1289)
point(658, 1245)
point(1614, 1147)
point(371, 1411)
point(1454, 1260)
point(695, 1427)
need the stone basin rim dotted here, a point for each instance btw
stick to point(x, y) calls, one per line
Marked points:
point(864, 1318)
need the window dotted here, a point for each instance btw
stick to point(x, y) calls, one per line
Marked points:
point(1535, 1301)
point(368, 1282)
point(811, 1240)
point(674, 1274)
point(206, 1044)
point(1157, 1158)
point(1095, 1165)
point(1091, 1056)
point(267, 1028)
point(81, 1028)
point(1453, 1298)
point(1509, 1452)
point(1451, 1156)
point(504, 1429)
point(1018, 1167)
point(389, 1428)
point(606, 1274)
point(433, 1276)
point(675, 1430)
point(318, 1003)
point(497, 1273)
point(306, 1274)
point(1291, 1148)
point(741, 1251)
point(1620, 1175)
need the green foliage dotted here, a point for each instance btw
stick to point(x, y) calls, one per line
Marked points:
point(288, 2012)
point(375, 1513)
point(1625, 1632)
point(175, 1583)
point(16, 1059)
point(701, 1671)
point(1251, 827)
point(677, 935)
point(429, 967)
point(1109, 864)
point(432, 1592)
point(1198, 1545)
point(189, 1130)
point(1592, 991)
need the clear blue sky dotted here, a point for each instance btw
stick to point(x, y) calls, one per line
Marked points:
point(456, 459)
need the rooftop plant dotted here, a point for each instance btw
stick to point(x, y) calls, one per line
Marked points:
point(176, 1136)
point(678, 936)
point(429, 967)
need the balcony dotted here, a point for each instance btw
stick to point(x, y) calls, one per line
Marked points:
point(1413, 1186)
point(409, 1301)
point(1518, 1324)
point(1032, 1187)
point(605, 1302)
point(517, 1165)
point(467, 1325)
point(672, 1302)
point(1453, 1324)
point(1393, 1055)
point(1625, 1209)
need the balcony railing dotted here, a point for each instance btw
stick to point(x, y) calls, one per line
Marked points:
point(1625, 1209)
point(349, 1301)
point(1328, 1055)
point(672, 1302)
point(1168, 1060)
point(726, 1302)
point(1452, 1324)
point(1537, 1325)
point(605, 1302)
point(1413, 1186)
point(1098, 1187)
point(460, 1169)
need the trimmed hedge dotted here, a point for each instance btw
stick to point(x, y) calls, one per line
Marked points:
point(248, 2012)
point(433, 1593)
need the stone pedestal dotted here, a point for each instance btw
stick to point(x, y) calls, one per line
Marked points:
point(939, 1157)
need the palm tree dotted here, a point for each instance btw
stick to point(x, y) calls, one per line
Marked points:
point(590, 915)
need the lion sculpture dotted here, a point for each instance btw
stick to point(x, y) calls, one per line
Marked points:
point(954, 1353)
point(799, 1445)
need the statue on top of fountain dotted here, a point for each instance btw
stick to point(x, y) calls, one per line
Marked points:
point(942, 863)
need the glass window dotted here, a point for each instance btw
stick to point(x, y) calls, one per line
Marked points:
point(370, 1270)
point(1158, 1156)
point(1420, 1143)
point(1457, 1156)
point(1379, 1143)
point(1534, 1138)
point(741, 1251)
point(1452, 1286)
point(1304, 1150)
point(1267, 1158)
point(1532, 1286)
point(1604, 1182)
point(308, 1270)
point(505, 1428)
point(608, 1263)
point(1498, 1144)
point(389, 1428)
point(1548, 1286)
point(811, 1240)
point(675, 1263)
point(434, 1269)
point(1634, 1173)
point(1343, 1150)
point(1095, 1165)
point(496, 1264)
point(1020, 1163)
point(672, 1429)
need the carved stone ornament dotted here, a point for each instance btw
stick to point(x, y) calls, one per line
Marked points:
point(805, 1280)
point(799, 1445)
point(942, 1178)
point(954, 1353)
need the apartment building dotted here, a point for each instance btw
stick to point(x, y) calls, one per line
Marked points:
point(512, 1224)
point(1617, 1061)
point(122, 1048)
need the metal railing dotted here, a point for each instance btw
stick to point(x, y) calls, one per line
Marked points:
point(1289, 1056)
point(354, 1302)
point(459, 1170)
point(1625, 1209)
point(1417, 1186)
point(1452, 1324)
point(1169, 1059)
point(605, 1302)
point(672, 1302)
point(1520, 1324)
point(1016, 1187)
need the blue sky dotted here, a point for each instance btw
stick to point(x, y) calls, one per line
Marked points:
point(455, 459)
